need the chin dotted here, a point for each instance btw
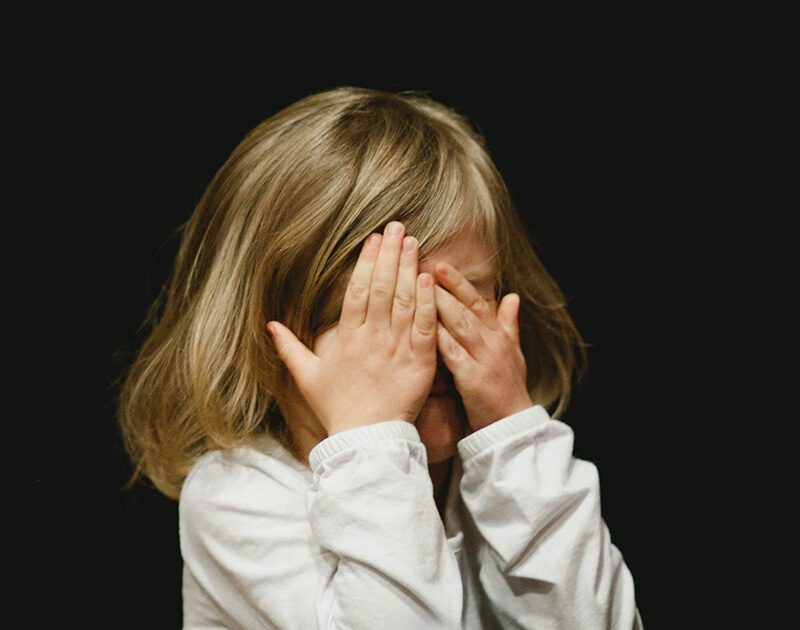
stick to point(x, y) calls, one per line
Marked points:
point(441, 424)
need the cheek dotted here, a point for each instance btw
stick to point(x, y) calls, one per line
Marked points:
point(323, 340)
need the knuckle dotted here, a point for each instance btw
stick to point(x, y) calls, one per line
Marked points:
point(453, 347)
point(381, 288)
point(403, 301)
point(478, 305)
point(464, 324)
point(358, 291)
point(426, 327)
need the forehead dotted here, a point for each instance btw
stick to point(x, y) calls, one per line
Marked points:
point(465, 253)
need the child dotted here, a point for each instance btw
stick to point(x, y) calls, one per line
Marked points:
point(354, 421)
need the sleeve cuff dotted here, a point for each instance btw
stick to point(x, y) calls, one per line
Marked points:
point(362, 436)
point(504, 428)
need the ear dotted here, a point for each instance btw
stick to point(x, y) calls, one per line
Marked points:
point(508, 315)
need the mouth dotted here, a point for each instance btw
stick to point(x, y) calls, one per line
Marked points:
point(441, 390)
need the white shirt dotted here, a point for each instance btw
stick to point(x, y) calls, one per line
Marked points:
point(356, 541)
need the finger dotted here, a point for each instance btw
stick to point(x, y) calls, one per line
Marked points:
point(405, 292)
point(508, 315)
point(384, 276)
point(299, 360)
point(466, 293)
point(453, 354)
point(423, 332)
point(356, 297)
point(462, 323)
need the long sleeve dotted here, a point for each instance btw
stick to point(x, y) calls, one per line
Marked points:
point(371, 507)
point(546, 560)
point(355, 542)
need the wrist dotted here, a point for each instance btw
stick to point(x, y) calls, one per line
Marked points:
point(500, 412)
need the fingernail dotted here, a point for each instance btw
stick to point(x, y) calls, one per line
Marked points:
point(408, 244)
point(373, 240)
point(425, 281)
point(394, 228)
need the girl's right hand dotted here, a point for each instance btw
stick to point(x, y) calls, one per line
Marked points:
point(381, 364)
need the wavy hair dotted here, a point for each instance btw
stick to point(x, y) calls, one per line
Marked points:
point(276, 234)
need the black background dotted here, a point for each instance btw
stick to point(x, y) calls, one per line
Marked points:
point(618, 151)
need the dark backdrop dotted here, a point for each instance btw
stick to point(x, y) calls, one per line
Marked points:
point(615, 157)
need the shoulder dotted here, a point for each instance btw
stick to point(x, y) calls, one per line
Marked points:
point(245, 538)
point(240, 485)
point(218, 475)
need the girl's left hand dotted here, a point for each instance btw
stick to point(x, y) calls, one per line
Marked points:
point(481, 349)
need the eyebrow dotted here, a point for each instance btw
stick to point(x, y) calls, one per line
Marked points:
point(479, 277)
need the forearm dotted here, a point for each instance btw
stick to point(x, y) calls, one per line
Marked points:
point(371, 507)
point(548, 558)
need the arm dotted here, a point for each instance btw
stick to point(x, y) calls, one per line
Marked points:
point(371, 506)
point(248, 528)
point(548, 561)
point(371, 503)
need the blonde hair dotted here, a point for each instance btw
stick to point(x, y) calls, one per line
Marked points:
point(275, 235)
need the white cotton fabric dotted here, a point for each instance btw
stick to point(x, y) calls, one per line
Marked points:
point(356, 541)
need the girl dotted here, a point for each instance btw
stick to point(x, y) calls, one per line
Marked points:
point(354, 422)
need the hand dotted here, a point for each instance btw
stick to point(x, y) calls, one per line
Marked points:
point(481, 349)
point(381, 364)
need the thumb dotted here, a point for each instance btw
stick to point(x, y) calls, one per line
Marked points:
point(508, 315)
point(293, 352)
